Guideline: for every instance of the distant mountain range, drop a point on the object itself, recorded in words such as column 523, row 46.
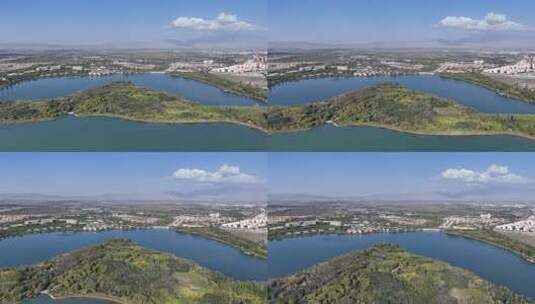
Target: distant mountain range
column 130, row 198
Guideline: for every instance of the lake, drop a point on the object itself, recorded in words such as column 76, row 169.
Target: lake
column 216, row 256
column 485, row 100
column 110, row 134
column 491, row 263
column 193, row 90
column 331, row 138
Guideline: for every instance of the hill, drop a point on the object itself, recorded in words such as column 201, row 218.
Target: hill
column 124, row 272
column 395, row 107
column 387, row 274
column 125, row 100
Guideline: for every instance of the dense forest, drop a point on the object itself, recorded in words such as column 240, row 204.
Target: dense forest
column 123, row 271
column 387, row 274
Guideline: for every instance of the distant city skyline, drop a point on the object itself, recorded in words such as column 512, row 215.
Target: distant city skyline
column 223, row 177
column 404, row 176
column 134, row 24
column 403, row 24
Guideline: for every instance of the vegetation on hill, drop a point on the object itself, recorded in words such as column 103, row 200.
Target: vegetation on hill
column 500, row 87
column 234, row 87
column 395, row 107
column 125, row 100
column 525, row 250
column 248, row 247
column 387, row 274
column 386, row 105
column 126, row 273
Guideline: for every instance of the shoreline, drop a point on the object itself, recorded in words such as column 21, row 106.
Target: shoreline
column 280, row 132
column 408, row 132
column 126, row 118
column 521, row 255
column 209, row 237
column 90, row 296
column 495, row 90
column 430, row 230
column 220, row 87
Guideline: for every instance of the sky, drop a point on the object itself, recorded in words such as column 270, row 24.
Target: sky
column 135, row 23
column 249, row 177
column 405, row 176
column 222, row 177
column 410, row 23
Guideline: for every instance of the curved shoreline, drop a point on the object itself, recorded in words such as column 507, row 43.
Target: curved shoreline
column 281, row 132
column 429, row 230
column 523, row 256
column 89, row 296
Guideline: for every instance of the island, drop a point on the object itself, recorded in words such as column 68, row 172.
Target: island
column 387, row 274
column 249, row 247
column 123, row 272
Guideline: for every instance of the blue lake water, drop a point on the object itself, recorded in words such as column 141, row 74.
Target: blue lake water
column 489, row 262
column 193, row 90
column 485, row 100
column 110, row 134
column 329, row 138
column 33, row 248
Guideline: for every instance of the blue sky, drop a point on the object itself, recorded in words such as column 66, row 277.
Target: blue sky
column 129, row 23
column 144, row 175
column 417, row 22
column 228, row 177
column 405, row 175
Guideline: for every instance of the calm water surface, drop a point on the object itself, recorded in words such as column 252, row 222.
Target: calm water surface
column 492, row 263
column 471, row 95
column 207, row 253
column 331, row 138
column 109, row 134
column 56, row 87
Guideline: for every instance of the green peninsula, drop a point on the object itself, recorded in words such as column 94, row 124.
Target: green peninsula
column 123, row 272
column 226, row 85
column 127, row 101
column 526, row 251
column 257, row 249
column 387, row 274
column 394, row 107
column 499, row 87
column 387, row 105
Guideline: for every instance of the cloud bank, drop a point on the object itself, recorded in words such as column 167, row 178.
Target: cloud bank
column 494, row 174
column 224, row 22
column 224, row 174
column 491, row 22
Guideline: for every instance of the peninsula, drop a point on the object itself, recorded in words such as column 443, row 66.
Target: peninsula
column 387, row 105
column 123, row 272
column 387, row 274
column 127, row 101
column 395, row 107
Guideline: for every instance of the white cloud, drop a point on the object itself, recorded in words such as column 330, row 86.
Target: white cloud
column 223, row 22
column 491, row 22
column 224, row 174
column 493, row 174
